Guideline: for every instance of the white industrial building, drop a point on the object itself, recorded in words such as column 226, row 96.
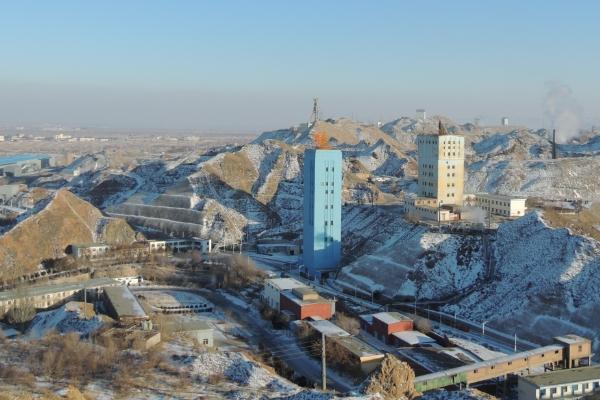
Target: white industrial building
column 574, row 383
column 497, row 204
column 273, row 287
column 90, row 250
column 441, row 162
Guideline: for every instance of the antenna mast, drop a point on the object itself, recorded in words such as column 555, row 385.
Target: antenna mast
column 314, row 116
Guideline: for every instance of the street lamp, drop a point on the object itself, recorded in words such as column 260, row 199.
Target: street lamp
column 483, row 327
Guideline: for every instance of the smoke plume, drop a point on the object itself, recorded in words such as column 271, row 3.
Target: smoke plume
column 563, row 111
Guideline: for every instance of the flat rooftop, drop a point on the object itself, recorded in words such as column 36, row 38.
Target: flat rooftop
column 328, row 328
column 88, row 245
column 499, row 196
column 565, row 376
column 571, row 339
column 285, row 283
column 358, row 347
column 391, row 317
column 488, row 363
column 7, row 160
column 413, row 337
column 29, row 291
column 291, row 296
column 124, row 302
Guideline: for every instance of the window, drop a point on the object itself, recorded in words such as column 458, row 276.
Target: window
column 564, row 389
column 579, row 348
column 574, row 387
column 204, row 341
column 542, row 392
column 553, row 390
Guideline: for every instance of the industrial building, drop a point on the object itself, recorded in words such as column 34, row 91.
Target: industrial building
column 570, row 351
column 201, row 331
column 497, row 204
column 412, row 338
column 45, row 296
column 322, row 211
column 122, row 305
column 303, row 302
column 358, row 351
column 23, row 164
column 441, row 159
column 569, row 383
column 383, row 325
column 90, row 250
column 272, row 289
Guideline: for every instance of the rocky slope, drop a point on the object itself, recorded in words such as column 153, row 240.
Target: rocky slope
column 65, row 220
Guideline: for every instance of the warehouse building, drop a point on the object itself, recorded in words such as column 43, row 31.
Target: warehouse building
column 272, row 289
column 303, row 302
column 497, row 204
column 569, row 383
column 45, row 296
column 90, row 250
column 383, row 325
column 122, row 305
column 199, row 330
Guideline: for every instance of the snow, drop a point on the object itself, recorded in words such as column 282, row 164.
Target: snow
column 65, row 319
column 234, row 366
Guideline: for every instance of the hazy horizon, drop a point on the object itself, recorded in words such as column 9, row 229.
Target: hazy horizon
column 248, row 67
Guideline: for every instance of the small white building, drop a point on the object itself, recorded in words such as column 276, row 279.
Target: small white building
column 572, row 383
column 504, row 121
column 157, row 245
column 204, row 245
column 497, row 204
column 90, row 250
column 273, row 287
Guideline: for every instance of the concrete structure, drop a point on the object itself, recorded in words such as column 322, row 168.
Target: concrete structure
column 304, row 302
column 122, row 305
column 569, row 383
column 504, row 121
column 45, row 296
column 384, row 324
column 322, row 211
column 272, row 289
column 201, row 331
column 90, row 250
column 569, row 351
column 441, row 159
column 497, row 204
column 421, row 114
column 412, row 338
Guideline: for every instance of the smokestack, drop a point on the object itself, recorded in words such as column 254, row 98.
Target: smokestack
column 554, row 144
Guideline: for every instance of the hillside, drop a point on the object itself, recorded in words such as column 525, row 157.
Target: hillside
column 65, row 220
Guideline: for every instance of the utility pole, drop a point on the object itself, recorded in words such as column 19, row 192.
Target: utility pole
column 323, row 362
column 483, row 328
column 84, row 303
column 515, row 342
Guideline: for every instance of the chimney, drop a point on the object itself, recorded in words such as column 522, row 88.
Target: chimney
column 554, row 144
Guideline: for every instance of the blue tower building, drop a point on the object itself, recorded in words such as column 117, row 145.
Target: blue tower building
column 322, row 210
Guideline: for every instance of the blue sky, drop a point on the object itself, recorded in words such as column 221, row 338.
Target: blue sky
column 252, row 65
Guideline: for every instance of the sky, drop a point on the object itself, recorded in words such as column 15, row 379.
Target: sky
column 248, row 66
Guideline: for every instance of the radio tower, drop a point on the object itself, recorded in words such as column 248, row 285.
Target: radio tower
column 314, row 116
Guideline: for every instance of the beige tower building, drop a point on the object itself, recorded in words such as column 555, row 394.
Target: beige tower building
column 441, row 160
